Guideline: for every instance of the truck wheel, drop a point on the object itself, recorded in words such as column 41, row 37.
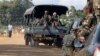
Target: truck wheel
column 36, row 43
column 32, row 42
column 26, row 40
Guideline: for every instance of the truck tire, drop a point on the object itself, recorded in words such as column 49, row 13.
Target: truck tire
column 36, row 44
column 26, row 39
column 32, row 42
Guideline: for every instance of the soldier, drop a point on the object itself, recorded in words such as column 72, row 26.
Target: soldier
column 47, row 21
column 91, row 20
column 55, row 19
column 55, row 23
column 68, row 47
column 46, row 15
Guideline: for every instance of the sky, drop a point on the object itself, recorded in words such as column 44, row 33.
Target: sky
column 78, row 4
column 6, row 0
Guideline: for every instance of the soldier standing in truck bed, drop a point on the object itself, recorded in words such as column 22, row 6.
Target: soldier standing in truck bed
column 55, row 19
column 46, row 16
column 47, row 21
column 55, row 23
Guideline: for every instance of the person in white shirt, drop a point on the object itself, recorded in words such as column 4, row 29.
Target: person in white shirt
column 10, row 28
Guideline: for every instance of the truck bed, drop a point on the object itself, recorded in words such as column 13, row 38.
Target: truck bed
column 53, row 30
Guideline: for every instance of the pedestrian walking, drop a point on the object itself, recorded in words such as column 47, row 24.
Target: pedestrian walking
column 10, row 28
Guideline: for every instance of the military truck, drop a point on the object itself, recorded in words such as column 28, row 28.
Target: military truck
column 35, row 33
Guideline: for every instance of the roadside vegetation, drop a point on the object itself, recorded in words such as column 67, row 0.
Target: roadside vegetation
column 12, row 11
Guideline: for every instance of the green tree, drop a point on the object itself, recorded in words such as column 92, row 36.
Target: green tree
column 13, row 11
column 72, row 11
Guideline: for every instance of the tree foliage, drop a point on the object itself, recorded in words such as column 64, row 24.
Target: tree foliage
column 12, row 11
column 71, row 14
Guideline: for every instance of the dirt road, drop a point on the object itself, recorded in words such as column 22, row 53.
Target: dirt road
column 15, row 47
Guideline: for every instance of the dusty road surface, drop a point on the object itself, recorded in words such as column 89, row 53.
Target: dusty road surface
column 15, row 47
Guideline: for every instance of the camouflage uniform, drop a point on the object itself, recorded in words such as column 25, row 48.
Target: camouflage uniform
column 67, row 45
column 96, row 6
